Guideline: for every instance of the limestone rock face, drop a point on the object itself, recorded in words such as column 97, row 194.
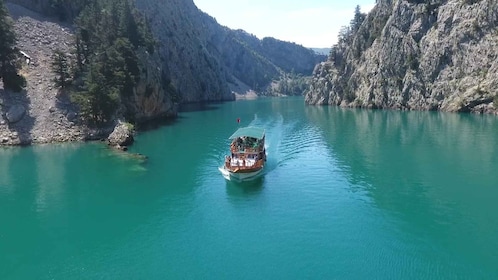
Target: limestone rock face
column 187, row 65
column 440, row 55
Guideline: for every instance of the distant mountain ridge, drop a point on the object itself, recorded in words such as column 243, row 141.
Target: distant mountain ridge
column 322, row 51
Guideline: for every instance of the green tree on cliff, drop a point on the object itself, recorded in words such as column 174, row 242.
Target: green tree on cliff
column 108, row 38
column 99, row 99
column 9, row 53
column 60, row 66
column 358, row 19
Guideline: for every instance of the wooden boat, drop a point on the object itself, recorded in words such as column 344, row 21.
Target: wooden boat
column 247, row 155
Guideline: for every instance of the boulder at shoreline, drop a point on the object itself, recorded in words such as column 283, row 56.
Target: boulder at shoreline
column 121, row 136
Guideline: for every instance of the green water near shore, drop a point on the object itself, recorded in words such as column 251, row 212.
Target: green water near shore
column 346, row 194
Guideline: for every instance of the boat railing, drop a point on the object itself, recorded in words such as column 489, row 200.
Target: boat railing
column 241, row 147
column 243, row 163
column 235, row 150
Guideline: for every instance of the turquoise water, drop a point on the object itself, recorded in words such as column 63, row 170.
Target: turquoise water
column 346, row 194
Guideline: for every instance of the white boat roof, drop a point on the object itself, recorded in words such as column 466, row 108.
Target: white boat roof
column 250, row 131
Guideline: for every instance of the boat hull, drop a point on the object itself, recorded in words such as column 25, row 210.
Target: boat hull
column 240, row 176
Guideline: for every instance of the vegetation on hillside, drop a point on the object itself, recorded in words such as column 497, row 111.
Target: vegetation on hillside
column 288, row 85
column 106, row 67
column 67, row 9
column 345, row 39
column 9, row 66
column 346, row 45
column 60, row 66
column 258, row 63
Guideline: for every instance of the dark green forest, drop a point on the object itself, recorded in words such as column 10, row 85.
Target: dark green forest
column 105, row 67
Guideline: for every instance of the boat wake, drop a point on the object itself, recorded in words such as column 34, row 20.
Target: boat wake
column 287, row 141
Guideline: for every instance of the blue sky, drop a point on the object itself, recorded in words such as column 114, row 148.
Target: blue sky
column 311, row 23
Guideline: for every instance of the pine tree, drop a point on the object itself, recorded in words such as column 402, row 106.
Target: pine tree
column 9, row 53
column 358, row 19
column 60, row 66
column 99, row 101
column 109, row 34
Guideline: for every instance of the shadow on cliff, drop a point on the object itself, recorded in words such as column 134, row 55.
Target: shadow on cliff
column 17, row 11
column 67, row 107
column 184, row 108
column 157, row 123
column 197, row 107
column 21, row 127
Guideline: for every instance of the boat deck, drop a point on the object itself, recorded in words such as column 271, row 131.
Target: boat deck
column 243, row 164
column 237, row 162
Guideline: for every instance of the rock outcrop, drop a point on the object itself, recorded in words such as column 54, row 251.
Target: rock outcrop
column 121, row 136
column 409, row 55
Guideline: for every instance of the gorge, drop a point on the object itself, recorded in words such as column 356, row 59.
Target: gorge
column 195, row 60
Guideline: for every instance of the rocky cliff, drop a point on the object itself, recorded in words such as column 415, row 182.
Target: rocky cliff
column 38, row 114
column 42, row 113
column 415, row 55
column 190, row 68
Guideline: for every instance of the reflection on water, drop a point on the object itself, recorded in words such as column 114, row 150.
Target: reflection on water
column 197, row 107
column 7, row 154
column 346, row 193
column 432, row 170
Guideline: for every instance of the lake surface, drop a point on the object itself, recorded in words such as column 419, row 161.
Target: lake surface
column 346, row 194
